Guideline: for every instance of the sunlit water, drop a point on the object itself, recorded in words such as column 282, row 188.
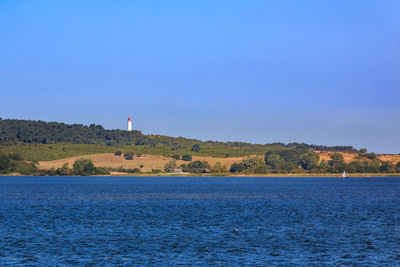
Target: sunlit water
column 199, row 221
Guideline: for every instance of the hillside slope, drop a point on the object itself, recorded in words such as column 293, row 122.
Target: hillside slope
column 54, row 144
column 57, row 140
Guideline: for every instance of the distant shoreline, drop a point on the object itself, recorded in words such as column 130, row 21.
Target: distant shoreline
column 327, row 175
column 366, row 175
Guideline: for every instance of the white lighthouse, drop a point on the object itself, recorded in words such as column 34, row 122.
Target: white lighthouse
column 129, row 124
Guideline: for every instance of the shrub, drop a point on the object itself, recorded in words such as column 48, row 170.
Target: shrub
column 237, row 167
column 219, row 168
column 4, row 162
column 134, row 170
column 387, row 167
column 198, row 166
column 101, row 171
column 84, row 167
column 184, row 167
column 176, row 157
column 170, row 166
column 118, row 153
column 250, row 165
column 129, row 155
column 187, row 157
column 195, row 148
column 336, row 157
column 65, row 170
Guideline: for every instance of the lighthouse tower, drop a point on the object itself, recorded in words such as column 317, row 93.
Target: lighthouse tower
column 129, row 124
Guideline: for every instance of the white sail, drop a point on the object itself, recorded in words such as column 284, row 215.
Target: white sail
column 344, row 174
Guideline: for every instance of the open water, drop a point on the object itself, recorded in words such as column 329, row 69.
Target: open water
column 229, row 221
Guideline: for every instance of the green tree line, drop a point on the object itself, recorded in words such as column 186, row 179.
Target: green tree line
column 302, row 160
column 14, row 132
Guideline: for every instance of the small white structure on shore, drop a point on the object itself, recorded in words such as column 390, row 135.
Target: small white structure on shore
column 177, row 171
column 129, row 124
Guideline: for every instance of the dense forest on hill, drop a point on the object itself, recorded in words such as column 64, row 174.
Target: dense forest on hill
column 13, row 132
column 24, row 131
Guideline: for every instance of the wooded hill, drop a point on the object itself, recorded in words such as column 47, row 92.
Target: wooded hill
column 13, row 132
column 35, row 141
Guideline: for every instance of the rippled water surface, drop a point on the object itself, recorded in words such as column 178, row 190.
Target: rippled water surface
column 199, row 221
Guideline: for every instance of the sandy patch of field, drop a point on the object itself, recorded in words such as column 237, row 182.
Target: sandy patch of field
column 392, row 158
column 348, row 157
column 110, row 160
column 326, row 155
column 149, row 162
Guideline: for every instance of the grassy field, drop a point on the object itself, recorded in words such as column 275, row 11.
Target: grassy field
column 47, row 152
column 40, row 152
column 55, row 155
column 148, row 162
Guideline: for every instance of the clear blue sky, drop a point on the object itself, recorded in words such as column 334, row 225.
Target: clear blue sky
column 323, row 72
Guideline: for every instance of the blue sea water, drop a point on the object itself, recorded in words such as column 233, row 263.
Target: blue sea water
column 164, row 221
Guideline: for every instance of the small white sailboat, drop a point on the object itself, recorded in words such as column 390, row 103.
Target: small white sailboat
column 344, row 175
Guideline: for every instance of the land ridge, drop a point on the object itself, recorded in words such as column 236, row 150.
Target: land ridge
column 52, row 148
